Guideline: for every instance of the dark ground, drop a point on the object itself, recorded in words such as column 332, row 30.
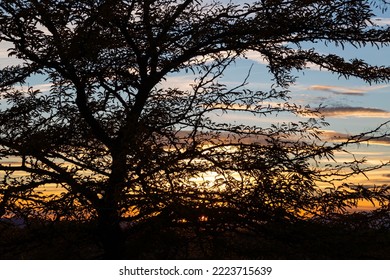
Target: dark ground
column 304, row 240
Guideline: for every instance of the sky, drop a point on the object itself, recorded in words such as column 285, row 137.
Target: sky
column 351, row 105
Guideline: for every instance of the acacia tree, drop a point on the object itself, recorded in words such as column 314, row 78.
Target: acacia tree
column 118, row 145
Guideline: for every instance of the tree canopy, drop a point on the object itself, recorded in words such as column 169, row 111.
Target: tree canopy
column 117, row 144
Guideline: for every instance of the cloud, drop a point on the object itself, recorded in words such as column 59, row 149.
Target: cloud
column 4, row 49
column 5, row 59
column 385, row 141
column 3, row 54
column 341, row 137
column 381, row 21
column 257, row 57
column 338, row 90
column 43, row 87
column 358, row 112
column 182, row 82
column 261, row 59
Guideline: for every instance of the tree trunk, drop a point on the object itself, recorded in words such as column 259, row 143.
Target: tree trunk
column 110, row 233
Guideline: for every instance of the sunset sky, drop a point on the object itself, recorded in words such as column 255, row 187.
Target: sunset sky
column 351, row 106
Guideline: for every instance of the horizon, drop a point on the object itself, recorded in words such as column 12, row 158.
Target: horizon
column 350, row 106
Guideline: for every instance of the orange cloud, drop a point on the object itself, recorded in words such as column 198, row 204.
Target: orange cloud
column 341, row 137
column 338, row 90
column 358, row 112
column 356, row 91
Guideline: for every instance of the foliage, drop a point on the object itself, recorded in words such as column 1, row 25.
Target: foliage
column 117, row 145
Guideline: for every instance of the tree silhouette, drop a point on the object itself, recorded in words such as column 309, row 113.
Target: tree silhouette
column 117, row 145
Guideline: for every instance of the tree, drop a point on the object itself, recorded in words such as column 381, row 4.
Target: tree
column 117, row 145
